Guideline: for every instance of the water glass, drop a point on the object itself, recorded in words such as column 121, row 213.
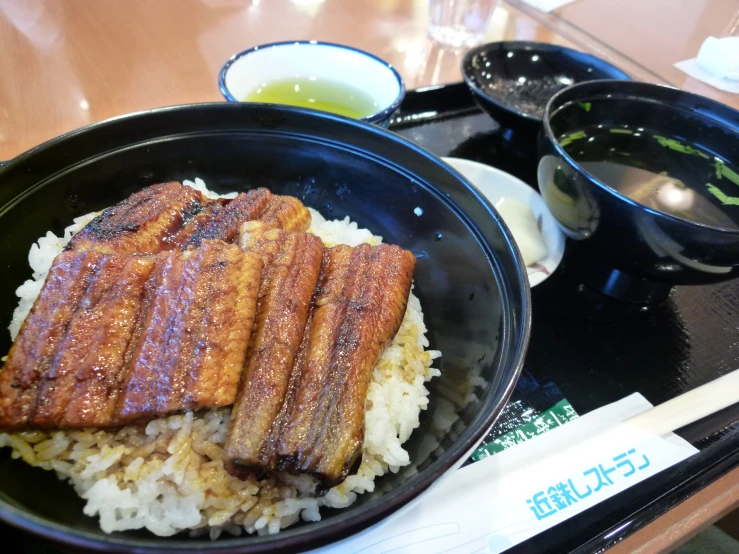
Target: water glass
column 460, row 23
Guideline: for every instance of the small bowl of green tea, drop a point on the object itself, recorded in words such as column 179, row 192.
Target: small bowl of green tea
column 647, row 177
column 316, row 75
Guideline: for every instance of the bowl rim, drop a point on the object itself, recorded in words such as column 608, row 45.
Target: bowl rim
column 527, row 45
column 344, row 523
column 373, row 118
column 634, row 91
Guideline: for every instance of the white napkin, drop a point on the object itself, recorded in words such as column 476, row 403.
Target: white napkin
column 547, row 6
column 717, row 64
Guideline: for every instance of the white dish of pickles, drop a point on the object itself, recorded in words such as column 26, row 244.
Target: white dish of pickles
column 537, row 235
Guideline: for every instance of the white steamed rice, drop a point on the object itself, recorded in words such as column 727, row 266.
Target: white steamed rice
column 168, row 476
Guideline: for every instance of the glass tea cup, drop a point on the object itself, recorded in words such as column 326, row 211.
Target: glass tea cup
column 460, row 23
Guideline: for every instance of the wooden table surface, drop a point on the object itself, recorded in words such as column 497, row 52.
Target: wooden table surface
column 67, row 63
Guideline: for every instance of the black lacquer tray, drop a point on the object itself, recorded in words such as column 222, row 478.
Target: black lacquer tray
column 595, row 350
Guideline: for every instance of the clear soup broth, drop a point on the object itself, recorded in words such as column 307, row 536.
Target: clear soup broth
column 666, row 174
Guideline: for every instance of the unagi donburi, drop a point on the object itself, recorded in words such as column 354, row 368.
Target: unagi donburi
column 197, row 363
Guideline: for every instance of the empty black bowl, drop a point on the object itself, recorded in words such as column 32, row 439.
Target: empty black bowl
column 634, row 251
column 514, row 80
column 469, row 278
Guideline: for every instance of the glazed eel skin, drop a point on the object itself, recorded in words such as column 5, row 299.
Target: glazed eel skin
column 171, row 216
column 144, row 223
column 115, row 338
column 358, row 307
column 152, row 310
column 147, row 311
column 292, row 264
column 190, row 345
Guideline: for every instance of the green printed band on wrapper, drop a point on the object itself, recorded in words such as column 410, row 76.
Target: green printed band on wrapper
column 557, row 415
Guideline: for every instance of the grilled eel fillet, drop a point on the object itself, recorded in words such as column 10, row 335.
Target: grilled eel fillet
column 273, row 211
column 82, row 383
column 191, row 345
column 178, row 240
column 168, row 216
column 359, row 306
column 292, row 263
column 143, row 223
column 114, row 338
column 35, row 348
column 286, row 212
column 224, row 224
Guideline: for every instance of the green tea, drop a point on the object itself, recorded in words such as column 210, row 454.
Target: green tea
column 310, row 92
column 663, row 173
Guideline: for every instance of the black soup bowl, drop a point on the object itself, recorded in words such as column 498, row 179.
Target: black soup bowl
column 470, row 278
column 670, row 154
column 513, row 80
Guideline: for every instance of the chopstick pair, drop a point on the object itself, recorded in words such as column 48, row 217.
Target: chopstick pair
column 691, row 406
